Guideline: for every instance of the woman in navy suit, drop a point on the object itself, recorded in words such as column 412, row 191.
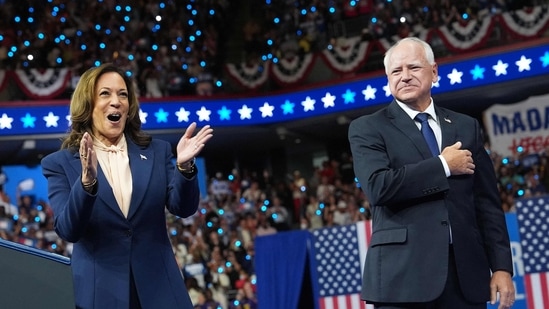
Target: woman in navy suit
column 109, row 186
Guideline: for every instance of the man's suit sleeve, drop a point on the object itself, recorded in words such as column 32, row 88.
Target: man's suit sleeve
column 490, row 215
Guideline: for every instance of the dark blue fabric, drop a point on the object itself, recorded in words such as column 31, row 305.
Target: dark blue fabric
column 280, row 264
column 428, row 133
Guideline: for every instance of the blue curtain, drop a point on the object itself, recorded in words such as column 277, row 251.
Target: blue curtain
column 281, row 260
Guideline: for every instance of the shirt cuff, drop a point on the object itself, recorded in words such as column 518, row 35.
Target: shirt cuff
column 445, row 165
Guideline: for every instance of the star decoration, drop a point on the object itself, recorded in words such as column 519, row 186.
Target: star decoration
column 5, row 121
column 349, row 96
column 369, row 93
column 544, row 59
column 143, row 116
column 28, row 121
column 161, row 116
column 308, row 104
column 477, row 72
column 455, row 77
column 245, row 112
column 51, row 120
column 328, row 100
column 287, row 107
column 523, row 64
column 266, row 110
column 500, row 68
column 203, row 114
column 224, row 113
column 69, row 120
column 182, row 115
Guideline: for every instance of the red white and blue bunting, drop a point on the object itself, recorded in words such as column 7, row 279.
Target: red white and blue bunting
column 251, row 76
column 463, row 37
column 347, row 56
column 42, row 84
column 350, row 54
column 504, row 65
column 292, row 70
column 417, row 31
column 526, row 23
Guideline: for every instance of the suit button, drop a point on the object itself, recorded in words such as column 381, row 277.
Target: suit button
column 444, row 223
column 128, row 233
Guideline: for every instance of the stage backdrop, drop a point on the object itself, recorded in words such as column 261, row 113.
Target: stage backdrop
column 326, row 265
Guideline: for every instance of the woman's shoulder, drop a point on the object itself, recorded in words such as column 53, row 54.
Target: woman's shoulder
column 57, row 157
column 157, row 144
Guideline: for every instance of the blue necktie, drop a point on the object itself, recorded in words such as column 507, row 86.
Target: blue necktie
column 428, row 133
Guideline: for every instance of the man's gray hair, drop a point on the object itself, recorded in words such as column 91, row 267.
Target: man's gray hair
column 429, row 55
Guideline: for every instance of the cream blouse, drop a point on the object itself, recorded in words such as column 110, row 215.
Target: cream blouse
column 115, row 163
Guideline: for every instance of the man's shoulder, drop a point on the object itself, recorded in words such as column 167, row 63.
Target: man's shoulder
column 380, row 114
column 445, row 112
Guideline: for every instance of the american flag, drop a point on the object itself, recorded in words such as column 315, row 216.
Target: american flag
column 339, row 253
column 533, row 222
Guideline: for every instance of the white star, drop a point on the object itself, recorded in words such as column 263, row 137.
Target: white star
column 387, row 90
column 523, row 64
column 143, row 116
column 51, row 120
column 5, row 122
column 266, row 110
column 203, row 114
column 455, row 77
column 69, row 120
column 182, row 115
column 369, row 93
column 308, row 104
column 245, row 112
column 500, row 68
column 437, row 83
column 328, row 100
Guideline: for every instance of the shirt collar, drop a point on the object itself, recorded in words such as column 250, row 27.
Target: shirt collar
column 412, row 113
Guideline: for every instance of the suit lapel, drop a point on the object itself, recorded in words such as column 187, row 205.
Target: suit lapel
column 407, row 126
column 447, row 127
column 141, row 165
column 104, row 192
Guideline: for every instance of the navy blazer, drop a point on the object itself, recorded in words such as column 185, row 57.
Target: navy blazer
column 414, row 207
column 107, row 245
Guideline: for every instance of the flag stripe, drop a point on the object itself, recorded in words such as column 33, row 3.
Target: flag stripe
column 322, row 302
column 544, row 289
column 348, row 300
column 537, row 293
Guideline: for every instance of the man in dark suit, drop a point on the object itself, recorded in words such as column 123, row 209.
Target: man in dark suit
column 439, row 234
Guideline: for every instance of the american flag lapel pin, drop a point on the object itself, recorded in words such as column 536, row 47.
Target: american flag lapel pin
column 143, row 157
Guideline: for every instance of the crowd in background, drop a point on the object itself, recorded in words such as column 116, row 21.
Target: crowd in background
column 215, row 247
column 179, row 47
